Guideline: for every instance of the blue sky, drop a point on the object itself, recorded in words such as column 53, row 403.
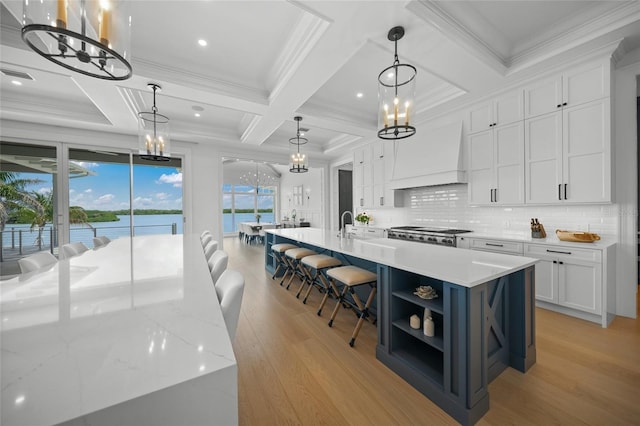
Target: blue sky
column 153, row 187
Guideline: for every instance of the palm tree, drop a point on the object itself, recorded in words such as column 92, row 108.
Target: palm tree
column 14, row 197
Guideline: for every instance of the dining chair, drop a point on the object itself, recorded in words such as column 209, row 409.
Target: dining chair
column 230, row 289
column 206, row 239
column 36, row 261
column 211, row 247
column 100, row 241
column 73, row 249
column 217, row 264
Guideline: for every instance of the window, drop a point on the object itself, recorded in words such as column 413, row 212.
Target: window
column 241, row 203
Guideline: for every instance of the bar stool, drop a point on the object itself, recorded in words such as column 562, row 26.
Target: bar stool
column 278, row 253
column 293, row 258
column 353, row 276
column 314, row 268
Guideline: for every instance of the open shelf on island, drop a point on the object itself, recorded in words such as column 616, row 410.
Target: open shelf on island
column 434, row 304
column 428, row 365
column 436, row 341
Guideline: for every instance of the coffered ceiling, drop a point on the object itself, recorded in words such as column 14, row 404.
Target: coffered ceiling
column 267, row 61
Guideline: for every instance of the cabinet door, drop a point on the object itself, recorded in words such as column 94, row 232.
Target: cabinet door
column 509, row 163
column 586, row 152
column 367, row 196
column 378, row 196
column 547, row 281
column 358, row 197
column 508, row 108
column 481, row 167
column 587, row 83
column 580, row 286
column 480, row 117
column 543, row 97
column 543, row 158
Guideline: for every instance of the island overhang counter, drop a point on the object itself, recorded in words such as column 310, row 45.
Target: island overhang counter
column 484, row 314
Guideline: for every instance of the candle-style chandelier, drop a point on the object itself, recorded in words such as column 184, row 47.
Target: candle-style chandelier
column 298, row 161
column 154, row 141
column 87, row 36
column 396, row 93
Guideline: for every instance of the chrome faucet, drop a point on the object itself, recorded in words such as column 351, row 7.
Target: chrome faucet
column 343, row 229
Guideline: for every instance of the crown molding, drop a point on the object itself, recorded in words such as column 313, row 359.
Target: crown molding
column 51, row 109
column 199, row 81
column 435, row 16
column 624, row 14
column 301, row 42
column 340, row 142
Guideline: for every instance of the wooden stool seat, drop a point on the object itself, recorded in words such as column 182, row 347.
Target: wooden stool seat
column 312, row 267
column 293, row 257
column 278, row 251
column 352, row 276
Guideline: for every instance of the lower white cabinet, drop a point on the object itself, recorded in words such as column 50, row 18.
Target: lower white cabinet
column 572, row 280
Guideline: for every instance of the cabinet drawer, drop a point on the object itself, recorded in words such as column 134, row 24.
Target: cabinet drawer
column 498, row 246
column 566, row 253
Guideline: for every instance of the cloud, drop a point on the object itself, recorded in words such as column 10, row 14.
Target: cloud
column 162, row 196
column 44, row 191
column 72, row 191
column 85, row 164
column 174, row 178
column 142, row 202
column 104, row 199
column 88, row 190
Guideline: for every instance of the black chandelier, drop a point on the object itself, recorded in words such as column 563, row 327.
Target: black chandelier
column 153, row 132
column 396, row 92
column 299, row 162
column 87, row 36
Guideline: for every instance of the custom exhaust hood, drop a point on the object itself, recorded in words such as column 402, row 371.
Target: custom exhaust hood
column 432, row 157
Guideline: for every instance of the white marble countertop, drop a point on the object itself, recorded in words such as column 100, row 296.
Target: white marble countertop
column 131, row 318
column 459, row 266
column 525, row 237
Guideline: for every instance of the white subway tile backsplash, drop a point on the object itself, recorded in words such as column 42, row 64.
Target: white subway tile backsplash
column 447, row 205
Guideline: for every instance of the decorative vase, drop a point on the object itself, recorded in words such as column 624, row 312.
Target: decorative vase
column 429, row 327
column 414, row 322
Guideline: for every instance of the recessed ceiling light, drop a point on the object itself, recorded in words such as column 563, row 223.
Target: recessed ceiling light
column 197, row 114
column 359, row 94
column 16, row 82
column 202, row 42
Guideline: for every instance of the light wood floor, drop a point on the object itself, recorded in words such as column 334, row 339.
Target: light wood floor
column 294, row 369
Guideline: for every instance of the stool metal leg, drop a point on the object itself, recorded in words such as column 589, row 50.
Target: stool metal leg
column 363, row 314
column 331, row 287
column 307, row 277
column 338, row 304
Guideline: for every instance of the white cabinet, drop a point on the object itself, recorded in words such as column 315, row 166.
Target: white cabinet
column 568, row 277
column 571, row 88
column 496, row 166
column 504, row 109
column 373, row 170
column 362, row 177
column 496, row 246
column 568, row 155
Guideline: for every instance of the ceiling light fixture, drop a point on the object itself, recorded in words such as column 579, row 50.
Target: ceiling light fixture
column 298, row 161
column 153, row 132
column 87, row 36
column 396, row 92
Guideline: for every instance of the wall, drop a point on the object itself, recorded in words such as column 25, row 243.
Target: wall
column 312, row 208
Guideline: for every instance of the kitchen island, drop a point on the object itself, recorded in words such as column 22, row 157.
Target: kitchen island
column 129, row 333
column 484, row 314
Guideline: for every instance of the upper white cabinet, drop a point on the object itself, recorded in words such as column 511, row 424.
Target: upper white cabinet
column 496, row 166
column 504, row 109
column 571, row 88
column 373, row 170
column 568, row 155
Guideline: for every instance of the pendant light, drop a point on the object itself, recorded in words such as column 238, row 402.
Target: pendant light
column 396, row 93
column 153, row 132
column 87, row 36
column 299, row 162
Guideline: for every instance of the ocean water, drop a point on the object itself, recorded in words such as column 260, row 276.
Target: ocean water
column 143, row 225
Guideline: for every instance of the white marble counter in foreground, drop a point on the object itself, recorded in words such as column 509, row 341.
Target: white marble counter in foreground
column 467, row 268
column 131, row 333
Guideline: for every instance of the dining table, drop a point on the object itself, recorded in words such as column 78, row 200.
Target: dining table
column 128, row 333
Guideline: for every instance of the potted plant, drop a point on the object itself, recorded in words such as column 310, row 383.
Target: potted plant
column 363, row 218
